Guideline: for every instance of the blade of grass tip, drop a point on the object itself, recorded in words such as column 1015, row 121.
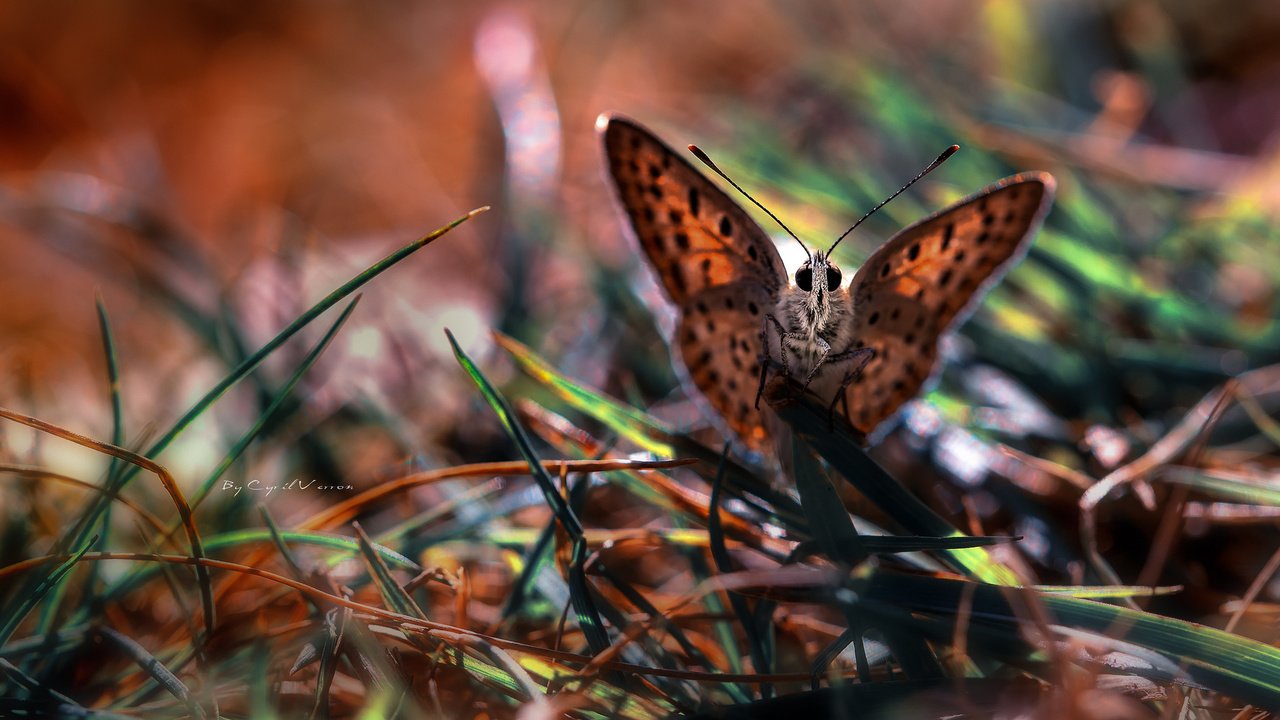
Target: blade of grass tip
column 171, row 487
column 153, row 667
column 635, row 425
column 333, row 298
column 245, row 368
column 579, row 590
column 829, row 522
column 335, row 622
column 113, row 385
column 724, row 565
column 507, row 417
column 391, row 590
column 113, row 376
column 234, row 348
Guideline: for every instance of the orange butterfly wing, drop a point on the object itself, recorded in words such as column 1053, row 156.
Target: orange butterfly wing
column 926, row 277
column 715, row 263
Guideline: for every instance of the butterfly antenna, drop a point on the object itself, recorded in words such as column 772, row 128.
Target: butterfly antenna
column 932, row 166
column 697, row 152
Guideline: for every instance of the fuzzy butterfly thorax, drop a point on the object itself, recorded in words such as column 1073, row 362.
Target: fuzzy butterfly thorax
column 816, row 308
column 866, row 347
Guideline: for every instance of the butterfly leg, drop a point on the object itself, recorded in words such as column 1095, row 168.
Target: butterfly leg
column 767, row 357
column 825, row 348
column 859, row 357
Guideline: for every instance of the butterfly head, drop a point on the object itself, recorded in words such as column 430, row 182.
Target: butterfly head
column 818, row 277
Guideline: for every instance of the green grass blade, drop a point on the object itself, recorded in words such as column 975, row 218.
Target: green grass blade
column 154, row 668
column 844, row 452
column 632, row 424
column 579, row 590
column 277, row 401
column 75, row 536
column 1230, row 664
column 655, row 437
column 829, row 522
column 758, row 646
column 397, row 599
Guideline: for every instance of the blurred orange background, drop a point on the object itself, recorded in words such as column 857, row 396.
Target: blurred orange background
column 256, row 155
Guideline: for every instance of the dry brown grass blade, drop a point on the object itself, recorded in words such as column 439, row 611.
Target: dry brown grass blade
column 348, row 509
column 1068, row 475
column 42, row 474
column 1165, row 450
column 405, row 623
column 1255, row 588
column 170, row 486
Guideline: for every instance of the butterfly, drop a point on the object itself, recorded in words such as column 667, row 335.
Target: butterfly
column 868, row 346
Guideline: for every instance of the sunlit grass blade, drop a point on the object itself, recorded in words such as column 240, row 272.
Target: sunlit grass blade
column 894, row 544
column 632, row 424
column 1223, row 486
column 654, row 436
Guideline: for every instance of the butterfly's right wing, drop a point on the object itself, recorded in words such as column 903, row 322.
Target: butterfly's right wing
column 927, row 277
column 715, row 263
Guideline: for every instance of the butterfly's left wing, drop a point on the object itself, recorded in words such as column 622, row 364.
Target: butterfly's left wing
column 715, row 263
column 926, row 277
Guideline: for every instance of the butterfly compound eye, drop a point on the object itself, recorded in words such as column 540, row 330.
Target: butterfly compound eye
column 833, row 277
column 804, row 278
